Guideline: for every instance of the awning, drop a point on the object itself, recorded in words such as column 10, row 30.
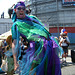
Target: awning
column 5, row 35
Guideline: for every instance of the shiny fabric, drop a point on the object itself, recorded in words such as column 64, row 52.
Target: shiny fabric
column 42, row 55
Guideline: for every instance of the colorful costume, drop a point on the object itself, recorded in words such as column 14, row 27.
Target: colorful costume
column 42, row 55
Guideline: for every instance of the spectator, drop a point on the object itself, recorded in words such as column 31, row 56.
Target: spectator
column 10, row 11
column 64, row 43
column 2, row 15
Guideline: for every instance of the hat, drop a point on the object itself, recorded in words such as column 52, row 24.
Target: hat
column 65, row 32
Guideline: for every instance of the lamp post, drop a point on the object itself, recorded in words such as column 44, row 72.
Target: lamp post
column 48, row 21
column 36, row 8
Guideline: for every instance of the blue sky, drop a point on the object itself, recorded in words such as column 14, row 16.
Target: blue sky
column 5, row 5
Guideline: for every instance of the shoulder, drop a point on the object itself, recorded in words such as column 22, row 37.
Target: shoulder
column 32, row 17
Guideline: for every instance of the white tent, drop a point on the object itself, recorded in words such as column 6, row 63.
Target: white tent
column 5, row 35
column 1, row 43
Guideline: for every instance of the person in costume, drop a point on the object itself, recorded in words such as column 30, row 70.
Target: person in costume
column 35, row 50
column 64, row 43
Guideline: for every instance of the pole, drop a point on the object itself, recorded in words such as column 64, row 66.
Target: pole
column 57, row 16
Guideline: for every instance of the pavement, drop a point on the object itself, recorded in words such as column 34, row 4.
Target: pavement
column 67, row 68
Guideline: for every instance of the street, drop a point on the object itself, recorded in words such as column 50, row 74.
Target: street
column 69, row 67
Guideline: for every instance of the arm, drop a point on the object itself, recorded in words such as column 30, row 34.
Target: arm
column 14, row 55
column 67, row 40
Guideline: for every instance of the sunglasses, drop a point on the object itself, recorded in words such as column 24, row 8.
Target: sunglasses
column 19, row 8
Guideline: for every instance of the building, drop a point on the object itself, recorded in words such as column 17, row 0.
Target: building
column 57, row 14
column 5, row 25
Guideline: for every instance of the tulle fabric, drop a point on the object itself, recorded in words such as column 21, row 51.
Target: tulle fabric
column 42, row 55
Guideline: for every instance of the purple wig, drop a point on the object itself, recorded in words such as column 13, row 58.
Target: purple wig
column 19, row 4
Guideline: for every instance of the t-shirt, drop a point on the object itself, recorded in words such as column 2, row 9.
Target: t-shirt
column 63, row 43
